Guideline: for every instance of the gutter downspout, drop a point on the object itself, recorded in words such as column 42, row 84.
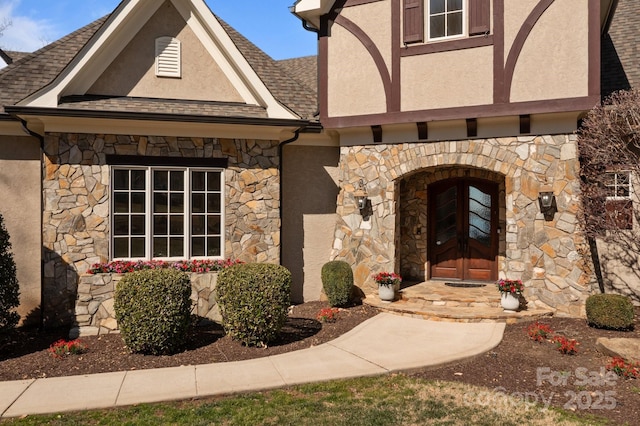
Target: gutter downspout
column 40, row 138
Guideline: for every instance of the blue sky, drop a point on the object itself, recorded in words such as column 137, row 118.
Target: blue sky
column 267, row 23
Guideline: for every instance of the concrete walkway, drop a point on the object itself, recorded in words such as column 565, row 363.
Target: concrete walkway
column 383, row 344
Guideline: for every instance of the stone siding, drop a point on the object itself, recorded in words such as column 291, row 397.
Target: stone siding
column 94, row 313
column 545, row 254
column 77, row 199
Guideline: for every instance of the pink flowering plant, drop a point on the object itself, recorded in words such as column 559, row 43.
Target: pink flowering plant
column 63, row 348
column 198, row 266
column 328, row 315
column 387, row 278
column 628, row 370
column 510, row 286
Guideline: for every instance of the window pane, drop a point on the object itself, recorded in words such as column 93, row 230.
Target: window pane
column 137, row 202
column 177, row 247
column 137, row 247
column 176, row 225
column 213, row 181
column 137, row 225
column 436, row 6
column 120, row 247
column 197, row 203
column 197, row 246
column 213, row 203
column 160, row 181
column 453, row 5
column 138, row 180
column 121, row 225
column 121, row 202
column 436, row 28
column 160, row 203
column 160, row 247
column 160, row 225
column 177, row 181
column 454, row 24
column 213, row 225
column 197, row 225
column 120, row 180
column 177, row 203
column 213, row 248
column 197, row 181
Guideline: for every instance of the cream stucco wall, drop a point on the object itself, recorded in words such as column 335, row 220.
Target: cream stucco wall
column 354, row 83
column 548, row 69
column 310, row 190
column 515, row 13
column 132, row 73
column 20, row 197
column 467, row 81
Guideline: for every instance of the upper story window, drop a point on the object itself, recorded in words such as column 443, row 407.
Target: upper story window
column 443, row 19
column 168, row 57
column 446, row 18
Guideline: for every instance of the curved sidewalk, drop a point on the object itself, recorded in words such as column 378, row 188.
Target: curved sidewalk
column 383, row 344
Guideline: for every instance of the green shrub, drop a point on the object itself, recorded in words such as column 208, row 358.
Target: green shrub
column 337, row 282
column 9, row 288
column 153, row 310
column 610, row 311
column 254, row 300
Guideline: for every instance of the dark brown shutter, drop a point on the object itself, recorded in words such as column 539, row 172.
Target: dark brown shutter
column 479, row 16
column 413, row 21
column 620, row 213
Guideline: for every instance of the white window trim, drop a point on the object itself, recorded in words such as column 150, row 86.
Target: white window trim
column 465, row 23
column 168, row 57
column 149, row 213
column 615, row 185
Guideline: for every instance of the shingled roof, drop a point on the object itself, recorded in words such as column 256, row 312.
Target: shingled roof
column 621, row 49
column 34, row 71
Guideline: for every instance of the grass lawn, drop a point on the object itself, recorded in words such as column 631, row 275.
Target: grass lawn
column 387, row 400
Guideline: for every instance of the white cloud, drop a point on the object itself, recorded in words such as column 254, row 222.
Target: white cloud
column 24, row 34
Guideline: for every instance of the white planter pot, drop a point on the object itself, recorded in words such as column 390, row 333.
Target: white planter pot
column 509, row 302
column 386, row 292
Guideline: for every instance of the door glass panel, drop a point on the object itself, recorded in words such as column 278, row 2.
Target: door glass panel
column 480, row 216
column 446, row 223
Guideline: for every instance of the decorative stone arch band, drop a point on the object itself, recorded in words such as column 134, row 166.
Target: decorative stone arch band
column 545, row 254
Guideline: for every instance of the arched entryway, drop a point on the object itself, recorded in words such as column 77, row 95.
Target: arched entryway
column 451, row 222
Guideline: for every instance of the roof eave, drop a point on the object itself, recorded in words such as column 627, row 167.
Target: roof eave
column 310, row 11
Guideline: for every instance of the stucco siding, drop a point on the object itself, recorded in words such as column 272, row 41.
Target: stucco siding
column 132, row 73
column 549, row 69
column 467, row 81
column 20, row 197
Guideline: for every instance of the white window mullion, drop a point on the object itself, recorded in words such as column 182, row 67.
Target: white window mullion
column 149, row 200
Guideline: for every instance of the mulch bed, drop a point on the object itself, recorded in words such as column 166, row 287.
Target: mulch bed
column 519, row 366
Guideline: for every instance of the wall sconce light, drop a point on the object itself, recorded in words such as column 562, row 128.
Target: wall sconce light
column 361, row 196
column 547, row 202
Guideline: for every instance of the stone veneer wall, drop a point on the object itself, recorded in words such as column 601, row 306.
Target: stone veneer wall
column 94, row 313
column 76, row 203
column 546, row 255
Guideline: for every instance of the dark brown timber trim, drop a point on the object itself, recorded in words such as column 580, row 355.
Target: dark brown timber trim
column 498, row 52
column 472, row 127
column 525, row 124
column 423, row 130
column 377, row 133
column 446, row 46
column 323, row 69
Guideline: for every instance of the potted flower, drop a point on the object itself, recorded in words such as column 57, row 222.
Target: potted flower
column 510, row 291
column 387, row 283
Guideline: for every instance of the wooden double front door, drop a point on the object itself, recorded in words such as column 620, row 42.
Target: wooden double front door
column 463, row 239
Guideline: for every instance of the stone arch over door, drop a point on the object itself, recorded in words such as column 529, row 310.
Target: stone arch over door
column 413, row 209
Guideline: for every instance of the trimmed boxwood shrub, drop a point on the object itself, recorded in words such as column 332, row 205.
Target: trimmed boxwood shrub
column 254, row 299
column 153, row 310
column 9, row 288
column 611, row 311
column 337, row 282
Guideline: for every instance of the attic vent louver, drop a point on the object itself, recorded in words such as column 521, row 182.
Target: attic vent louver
column 168, row 57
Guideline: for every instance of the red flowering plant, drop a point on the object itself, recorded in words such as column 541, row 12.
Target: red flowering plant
column 328, row 315
column 63, row 348
column 566, row 346
column 198, row 266
column 514, row 287
column 628, row 370
column 387, row 278
column 539, row 332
